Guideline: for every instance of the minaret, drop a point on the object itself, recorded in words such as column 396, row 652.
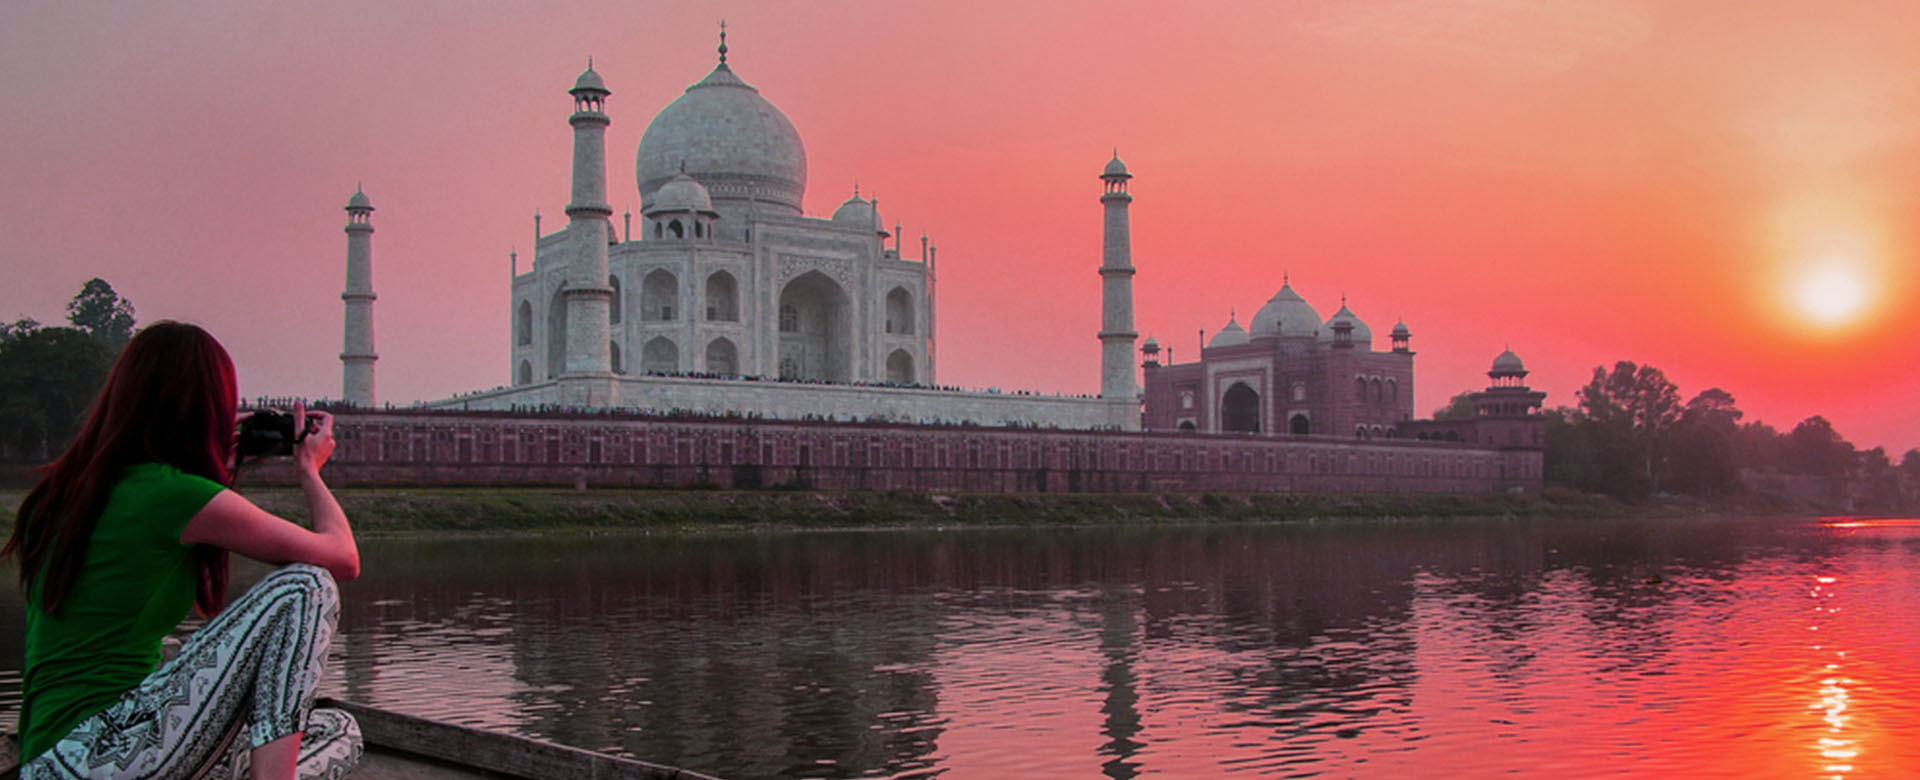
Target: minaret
column 589, row 220
column 356, row 355
column 1116, row 281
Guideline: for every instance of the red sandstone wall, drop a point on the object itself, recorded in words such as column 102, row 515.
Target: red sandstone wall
column 501, row 449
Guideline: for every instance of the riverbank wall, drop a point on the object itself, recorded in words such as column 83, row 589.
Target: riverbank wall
column 425, row 447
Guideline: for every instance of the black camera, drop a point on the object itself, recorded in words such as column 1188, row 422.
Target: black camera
column 270, row 432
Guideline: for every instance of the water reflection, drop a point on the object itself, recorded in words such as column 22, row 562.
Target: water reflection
column 1654, row 647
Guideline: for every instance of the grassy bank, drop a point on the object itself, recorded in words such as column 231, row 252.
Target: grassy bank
column 396, row 511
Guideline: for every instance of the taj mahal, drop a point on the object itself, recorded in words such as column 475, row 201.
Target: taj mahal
column 724, row 298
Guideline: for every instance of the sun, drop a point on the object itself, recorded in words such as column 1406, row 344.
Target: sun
column 1830, row 292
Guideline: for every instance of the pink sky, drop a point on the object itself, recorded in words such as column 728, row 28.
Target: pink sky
column 1585, row 180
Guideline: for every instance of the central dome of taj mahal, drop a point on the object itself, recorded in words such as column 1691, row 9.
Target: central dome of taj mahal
column 730, row 139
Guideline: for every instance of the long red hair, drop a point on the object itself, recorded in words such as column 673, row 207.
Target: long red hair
column 170, row 398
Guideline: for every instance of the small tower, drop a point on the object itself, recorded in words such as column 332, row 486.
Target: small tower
column 1402, row 338
column 1116, row 282
column 590, row 221
column 357, row 355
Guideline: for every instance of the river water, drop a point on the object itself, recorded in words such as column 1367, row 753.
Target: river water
column 1693, row 647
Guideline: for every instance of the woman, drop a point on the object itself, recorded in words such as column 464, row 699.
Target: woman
column 128, row 529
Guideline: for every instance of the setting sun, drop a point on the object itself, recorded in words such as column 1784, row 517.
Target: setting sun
column 1830, row 293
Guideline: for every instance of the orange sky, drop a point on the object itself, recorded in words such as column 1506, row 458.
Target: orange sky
column 1586, row 180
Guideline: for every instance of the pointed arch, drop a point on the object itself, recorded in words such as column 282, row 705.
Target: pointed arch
column 723, row 358
column 1240, row 409
column 900, row 368
column 723, row 297
column 659, row 291
column 613, row 355
column 614, row 304
column 819, row 343
column 660, row 356
column 523, row 324
column 525, row 375
column 1300, row 425
column 900, row 311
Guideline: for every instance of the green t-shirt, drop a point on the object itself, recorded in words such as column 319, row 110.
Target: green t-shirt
column 137, row 585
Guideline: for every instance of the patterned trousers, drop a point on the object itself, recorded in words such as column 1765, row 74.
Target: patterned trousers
column 251, row 671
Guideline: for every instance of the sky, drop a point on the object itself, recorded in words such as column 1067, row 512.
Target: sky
column 1721, row 188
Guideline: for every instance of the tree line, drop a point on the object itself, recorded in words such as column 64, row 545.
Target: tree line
column 1629, row 436
column 48, row 374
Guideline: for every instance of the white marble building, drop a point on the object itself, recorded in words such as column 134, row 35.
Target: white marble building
column 721, row 273
column 722, row 295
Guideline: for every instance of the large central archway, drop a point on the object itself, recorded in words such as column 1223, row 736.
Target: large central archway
column 1240, row 409
column 816, row 330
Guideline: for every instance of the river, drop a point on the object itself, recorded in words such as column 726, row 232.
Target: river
column 1674, row 647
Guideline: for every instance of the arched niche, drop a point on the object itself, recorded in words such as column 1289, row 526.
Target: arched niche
column 523, row 324
column 1300, row 425
column 723, row 297
column 819, row 344
column 1240, row 409
column 659, row 292
column 660, row 355
column 900, row 367
column 613, row 354
column 524, row 375
column 723, row 358
column 616, row 304
column 900, row 311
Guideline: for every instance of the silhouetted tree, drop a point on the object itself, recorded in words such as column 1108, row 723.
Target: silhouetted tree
column 1460, row 407
column 47, row 378
column 1816, row 448
column 1636, row 400
column 1702, row 459
column 17, row 328
column 102, row 313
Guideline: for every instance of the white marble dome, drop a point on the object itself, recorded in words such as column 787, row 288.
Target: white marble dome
column 589, row 80
column 680, row 193
column 1116, row 168
column 734, row 141
column 1508, row 363
column 857, row 212
column 1230, row 336
column 359, row 201
column 1362, row 335
column 1286, row 314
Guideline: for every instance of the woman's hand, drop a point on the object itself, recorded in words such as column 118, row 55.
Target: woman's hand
column 312, row 452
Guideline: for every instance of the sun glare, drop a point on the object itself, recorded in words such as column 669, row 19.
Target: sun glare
column 1830, row 293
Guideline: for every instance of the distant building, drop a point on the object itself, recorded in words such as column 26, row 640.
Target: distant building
column 1290, row 373
column 1505, row 415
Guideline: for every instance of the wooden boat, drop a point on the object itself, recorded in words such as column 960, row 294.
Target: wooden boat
column 403, row 747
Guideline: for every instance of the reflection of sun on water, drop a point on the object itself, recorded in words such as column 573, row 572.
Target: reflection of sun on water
column 1836, row 750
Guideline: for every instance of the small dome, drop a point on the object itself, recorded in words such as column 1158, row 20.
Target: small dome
column 681, row 193
column 359, row 201
column 1230, row 336
column 857, row 212
column 1286, row 314
column 1508, row 363
column 1152, row 345
column 1362, row 334
column 1400, row 330
column 1115, row 168
column 589, row 80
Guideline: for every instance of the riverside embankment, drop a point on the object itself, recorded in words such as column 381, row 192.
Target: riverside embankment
column 407, row 511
